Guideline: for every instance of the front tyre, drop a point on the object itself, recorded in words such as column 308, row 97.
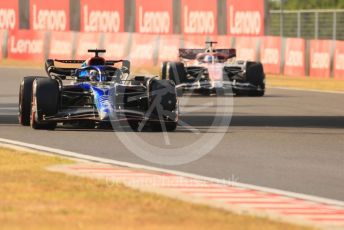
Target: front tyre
column 159, row 126
column 174, row 71
column 164, row 105
column 45, row 100
column 255, row 76
column 25, row 100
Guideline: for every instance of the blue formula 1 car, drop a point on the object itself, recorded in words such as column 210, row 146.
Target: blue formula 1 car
column 97, row 93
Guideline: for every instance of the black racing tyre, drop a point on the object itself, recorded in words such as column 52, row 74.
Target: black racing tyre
column 25, row 99
column 134, row 125
column 255, row 75
column 205, row 92
column 164, row 70
column 175, row 72
column 163, row 101
column 180, row 92
column 88, row 124
column 45, row 100
column 220, row 92
column 158, row 126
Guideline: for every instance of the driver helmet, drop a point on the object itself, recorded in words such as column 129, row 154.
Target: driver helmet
column 208, row 59
column 94, row 75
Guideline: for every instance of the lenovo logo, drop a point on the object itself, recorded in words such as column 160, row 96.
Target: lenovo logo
column 339, row 61
column 7, row 19
column 60, row 47
column 295, row 59
column 198, row 22
column 84, row 46
column 168, row 52
column 154, row 21
column 116, row 50
column 49, row 19
column 320, row 60
column 26, row 46
column 100, row 20
column 142, row 52
column 270, row 56
column 245, row 22
column 246, row 54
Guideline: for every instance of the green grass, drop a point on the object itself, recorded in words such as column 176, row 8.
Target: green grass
column 34, row 198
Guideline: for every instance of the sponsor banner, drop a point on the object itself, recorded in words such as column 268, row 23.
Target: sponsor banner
column 246, row 48
column 143, row 47
column 154, row 16
column 86, row 41
column 270, row 51
column 168, row 47
column 116, row 45
column 294, row 58
column 223, row 41
column 26, row 45
column 339, row 60
column 2, row 43
column 320, row 58
column 198, row 17
column 49, row 15
column 61, row 45
column 245, row 17
column 194, row 41
column 9, row 15
column 102, row 16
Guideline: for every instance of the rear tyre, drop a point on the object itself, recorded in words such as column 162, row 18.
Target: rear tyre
column 164, row 70
column 25, row 99
column 45, row 100
column 255, row 75
column 163, row 101
column 158, row 126
column 174, row 71
column 134, row 125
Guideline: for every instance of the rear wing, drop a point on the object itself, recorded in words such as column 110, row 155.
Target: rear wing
column 108, row 62
column 66, row 71
column 192, row 53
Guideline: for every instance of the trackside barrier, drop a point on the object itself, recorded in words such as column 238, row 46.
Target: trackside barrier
column 288, row 56
column 26, row 45
column 143, row 51
column 2, row 43
column 247, row 48
column 198, row 17
column 61, row 45
column 245, row 17
column 117, row 45
column 85, row 41
column 294, row 59
column 339, row 60
column 104, row 16
column 270, row 54
column 154, row 17
column 320, row 58
column 9, row 15
column 168, row 47
column 49, row 15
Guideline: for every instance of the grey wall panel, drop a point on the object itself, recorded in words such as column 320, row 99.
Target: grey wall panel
column 307, row 57
column 75, row 15
column 24, row 14
column 177, row 16
column 222, row 17
column 129, row 15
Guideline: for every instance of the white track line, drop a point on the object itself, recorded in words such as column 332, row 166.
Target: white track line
column 178, row 173
column 8, row 108
column 307, row 90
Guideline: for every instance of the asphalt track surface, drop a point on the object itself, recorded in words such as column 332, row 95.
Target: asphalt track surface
column 290, row 140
